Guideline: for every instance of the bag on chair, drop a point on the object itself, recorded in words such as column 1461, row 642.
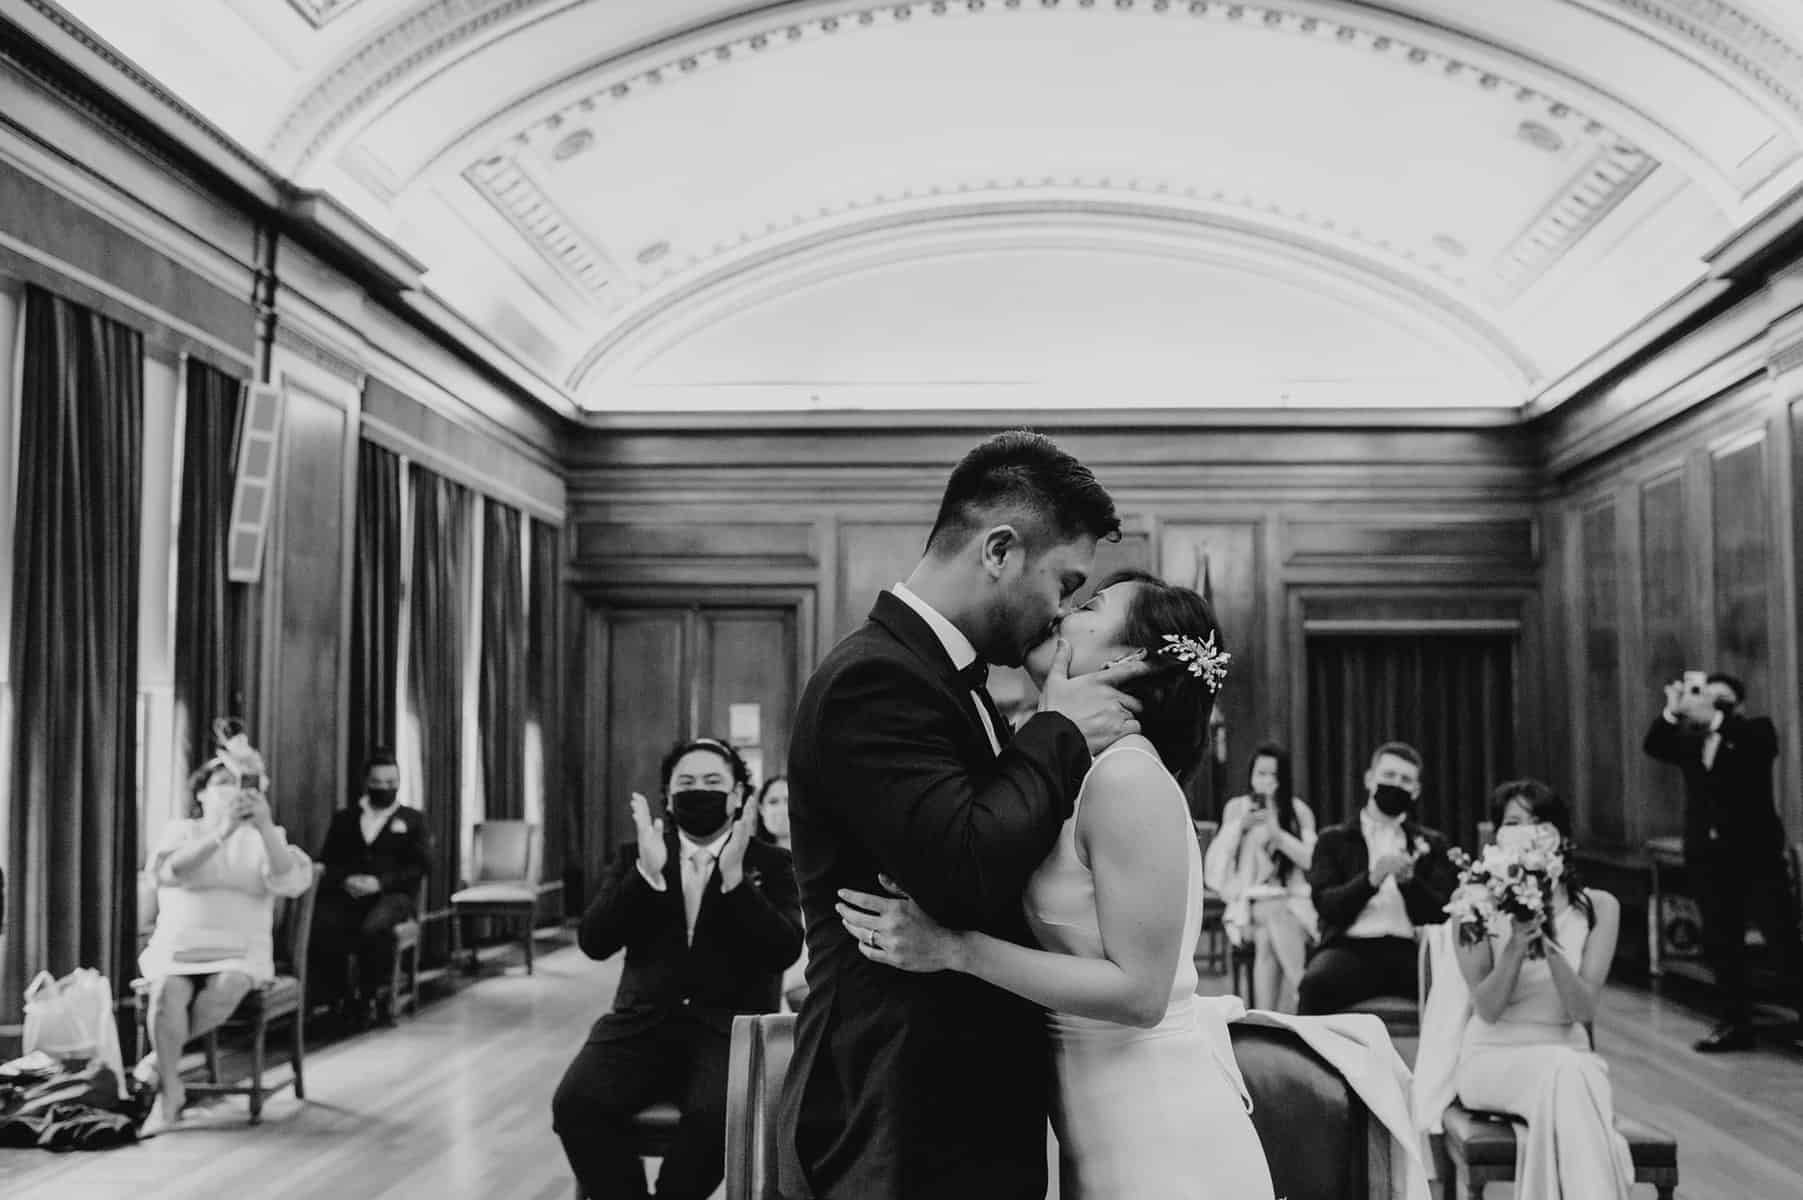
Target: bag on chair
column 72, row 1017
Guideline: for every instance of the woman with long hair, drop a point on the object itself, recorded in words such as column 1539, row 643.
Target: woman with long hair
column 1258, row 864
column 1150, row 1103
column 1534, row 988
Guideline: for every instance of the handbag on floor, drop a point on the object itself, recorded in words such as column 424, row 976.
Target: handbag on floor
column 72, row 1018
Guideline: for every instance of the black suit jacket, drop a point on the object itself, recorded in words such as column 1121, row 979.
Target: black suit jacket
column 912, row 1085
column 398, row 857
column 1339, row 878
column 744, row 939
column 1728, row 809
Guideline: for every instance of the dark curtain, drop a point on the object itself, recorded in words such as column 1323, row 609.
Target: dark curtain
column 543, row 693
column 501, row 698
column 213, row 625
column 73, row 850
column 441, row 513
column 375, row 608
column 1450, row 696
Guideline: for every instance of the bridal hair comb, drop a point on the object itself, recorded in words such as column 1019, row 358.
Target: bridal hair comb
column 1203, row 659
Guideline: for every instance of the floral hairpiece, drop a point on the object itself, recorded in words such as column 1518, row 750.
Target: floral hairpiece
column 1204, row 659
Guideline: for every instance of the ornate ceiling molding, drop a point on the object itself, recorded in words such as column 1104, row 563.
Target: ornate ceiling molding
column 718, row 45
column 399, row 52
column 520, row 199
column 822, row 253
column 1603, row 183
column 1732, row 38
column 320, row 13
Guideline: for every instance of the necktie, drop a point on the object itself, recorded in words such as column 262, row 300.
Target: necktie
column 976, row 678
column 696, row 870
column 1711, row 744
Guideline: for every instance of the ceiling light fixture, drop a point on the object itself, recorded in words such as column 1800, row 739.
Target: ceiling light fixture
column 1540, row 137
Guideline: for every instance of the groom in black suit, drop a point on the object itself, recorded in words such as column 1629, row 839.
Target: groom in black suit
column 1733, row 840
column 903, row 1086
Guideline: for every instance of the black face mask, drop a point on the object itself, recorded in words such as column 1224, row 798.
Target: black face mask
column 1392, row 801
column 381, row 797
column 698, row 812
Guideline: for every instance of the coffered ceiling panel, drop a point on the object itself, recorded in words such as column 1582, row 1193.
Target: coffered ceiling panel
column 691, row 203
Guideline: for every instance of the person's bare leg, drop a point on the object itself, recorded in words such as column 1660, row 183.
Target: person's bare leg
column 169, row 1001
column 1267, row 972
column 217, row 1001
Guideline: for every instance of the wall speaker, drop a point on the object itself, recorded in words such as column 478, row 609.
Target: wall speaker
column 253, row 491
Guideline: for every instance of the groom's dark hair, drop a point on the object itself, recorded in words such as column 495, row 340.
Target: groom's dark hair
column 1023, row 476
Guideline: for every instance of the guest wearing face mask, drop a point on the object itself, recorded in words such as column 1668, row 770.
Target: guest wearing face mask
column 1373, row 879
column 217, row 876
column 709, row 917
column 375, row 855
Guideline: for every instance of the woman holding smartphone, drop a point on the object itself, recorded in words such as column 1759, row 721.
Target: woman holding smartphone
column 1258, row 864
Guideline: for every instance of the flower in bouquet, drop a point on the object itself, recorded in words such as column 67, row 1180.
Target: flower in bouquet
column 1512, row 880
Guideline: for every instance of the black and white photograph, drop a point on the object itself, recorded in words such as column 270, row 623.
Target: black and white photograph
column 922, row 600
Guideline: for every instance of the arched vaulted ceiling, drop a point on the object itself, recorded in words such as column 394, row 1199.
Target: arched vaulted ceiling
column 698, row 204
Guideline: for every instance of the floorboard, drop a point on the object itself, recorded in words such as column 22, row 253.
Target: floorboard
column 453, row 1104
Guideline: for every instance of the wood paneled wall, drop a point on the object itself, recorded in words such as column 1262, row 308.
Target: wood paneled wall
column 1672, row 526
column 1317, row 519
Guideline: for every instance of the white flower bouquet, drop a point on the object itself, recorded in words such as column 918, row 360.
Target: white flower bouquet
column 1512, row 880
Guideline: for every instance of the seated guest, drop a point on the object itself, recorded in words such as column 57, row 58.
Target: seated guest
column 217, row 876
column 1373, row 880
column 1258, row 864
column 374, row 857
column 1533, row 986
column 709, row 917
column 773, row 827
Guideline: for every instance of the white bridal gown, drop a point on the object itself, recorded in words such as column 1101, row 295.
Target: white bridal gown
column 1142, row 1114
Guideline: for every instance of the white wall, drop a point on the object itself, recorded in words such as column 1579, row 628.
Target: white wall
column 12, row 313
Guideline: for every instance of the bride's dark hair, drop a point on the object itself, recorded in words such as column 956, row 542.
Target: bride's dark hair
column 1175, row 704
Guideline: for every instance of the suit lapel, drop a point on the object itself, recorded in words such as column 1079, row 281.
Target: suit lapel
column 907, row 627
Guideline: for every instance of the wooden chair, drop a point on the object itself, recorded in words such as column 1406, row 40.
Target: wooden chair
column 406, row 946
column 503, row 882
column 1478, row 1148
column 756, row 1064
column 283, row 998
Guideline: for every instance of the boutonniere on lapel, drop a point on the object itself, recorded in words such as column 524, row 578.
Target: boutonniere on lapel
column 398, row 823
column 1419, row 849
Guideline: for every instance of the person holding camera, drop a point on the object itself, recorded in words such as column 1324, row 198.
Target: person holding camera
column 217, row 876
column 1733, row 839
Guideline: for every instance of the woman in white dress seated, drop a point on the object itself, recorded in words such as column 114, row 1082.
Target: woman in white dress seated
column 216, row 877
column 1150, row 1102
column 1526, row 1050
column 1258, row 865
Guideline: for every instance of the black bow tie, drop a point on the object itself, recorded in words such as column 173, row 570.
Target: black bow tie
column 975, row 676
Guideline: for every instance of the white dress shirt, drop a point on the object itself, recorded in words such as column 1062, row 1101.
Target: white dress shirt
column 694, row 878
column 957, row 646
column 1386, row 914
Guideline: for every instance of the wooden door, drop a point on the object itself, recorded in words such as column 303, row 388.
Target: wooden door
column 658, row 672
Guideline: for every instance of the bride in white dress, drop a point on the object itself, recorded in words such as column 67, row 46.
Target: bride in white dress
column 1150, row 1106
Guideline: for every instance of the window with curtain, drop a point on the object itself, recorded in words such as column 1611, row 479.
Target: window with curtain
column 438, row 593
column 72, row 848
column 501, row 715
column 548, row 803
column 1451, row 696
column 215, row 649
column 375, row 609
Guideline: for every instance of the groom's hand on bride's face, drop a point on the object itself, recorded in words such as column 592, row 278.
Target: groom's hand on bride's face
column 1094, row 702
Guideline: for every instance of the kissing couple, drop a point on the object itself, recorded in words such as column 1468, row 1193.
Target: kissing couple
column 1000, row 923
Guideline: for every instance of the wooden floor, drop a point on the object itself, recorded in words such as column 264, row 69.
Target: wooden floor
column 454, row 1104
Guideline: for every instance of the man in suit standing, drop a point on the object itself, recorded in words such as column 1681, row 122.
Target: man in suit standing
column 1733, row 840
column 909, row 1086
column 375, row 856
column 706, row 913
column 1374, row 879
